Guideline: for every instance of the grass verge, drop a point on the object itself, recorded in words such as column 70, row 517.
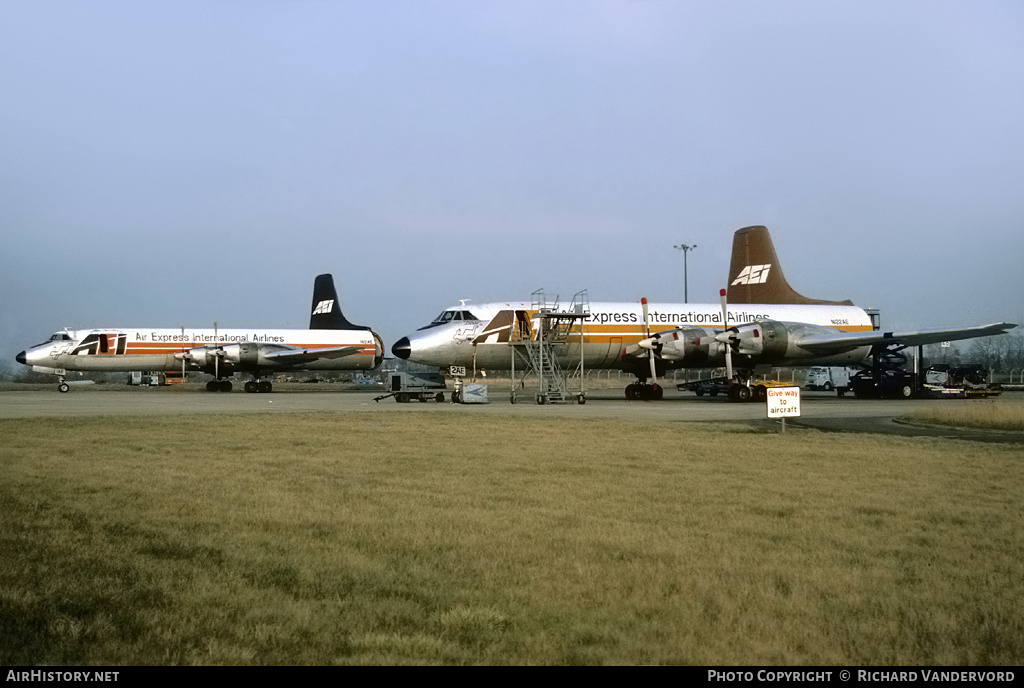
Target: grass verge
column 385, row 538
column 989, row 414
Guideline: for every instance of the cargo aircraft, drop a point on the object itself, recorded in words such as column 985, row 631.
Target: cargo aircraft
column 760, row 322
column 330, row 343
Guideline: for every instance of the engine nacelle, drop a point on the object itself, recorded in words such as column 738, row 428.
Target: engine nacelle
column 222, row 359
column 763, row 341
column 229, row 358
column 245, row 354
column 691, row 346
column 200, row 357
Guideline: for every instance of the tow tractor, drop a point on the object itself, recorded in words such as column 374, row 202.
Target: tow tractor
column 752, row 390
column 419, row 386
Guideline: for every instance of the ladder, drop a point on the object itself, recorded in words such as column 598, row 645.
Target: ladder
column 542, row 345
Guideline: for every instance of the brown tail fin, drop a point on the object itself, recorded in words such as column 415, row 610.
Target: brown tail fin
column 755, row 275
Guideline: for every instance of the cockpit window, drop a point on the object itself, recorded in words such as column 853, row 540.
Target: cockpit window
column 450, row 315
column 57, row 337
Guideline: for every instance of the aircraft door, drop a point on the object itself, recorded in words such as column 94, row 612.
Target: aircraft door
column 614, row 352
column 523, row 327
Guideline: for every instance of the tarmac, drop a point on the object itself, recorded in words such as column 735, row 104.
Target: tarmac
column 819, row 410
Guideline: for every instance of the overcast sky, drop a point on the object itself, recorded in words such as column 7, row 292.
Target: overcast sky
column 180, row 163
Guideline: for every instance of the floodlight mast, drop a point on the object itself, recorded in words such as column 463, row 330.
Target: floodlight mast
column 685, row 248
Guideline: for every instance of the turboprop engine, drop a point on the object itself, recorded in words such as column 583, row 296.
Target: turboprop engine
column 216, row 358
column 680, row 345
column 762, row 341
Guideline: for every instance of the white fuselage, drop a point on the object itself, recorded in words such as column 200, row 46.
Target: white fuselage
column 613, row 327
column 161, row 349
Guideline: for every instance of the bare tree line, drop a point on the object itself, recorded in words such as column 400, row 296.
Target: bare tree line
column 1002, row 353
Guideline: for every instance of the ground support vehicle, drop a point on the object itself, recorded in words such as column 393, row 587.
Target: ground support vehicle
column 754, row 390
column 943, row 381
column 470, row 393
column 829, row 378
column 876, row 383
column 405, row 387
column 712, row 386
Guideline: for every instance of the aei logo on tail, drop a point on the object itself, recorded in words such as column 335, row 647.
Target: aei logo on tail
column 324, row 307
column 752, row 274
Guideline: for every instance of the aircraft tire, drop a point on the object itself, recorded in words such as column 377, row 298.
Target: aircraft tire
column 760, row 393
column 250, row 387
column 739, row 393
column 264, row 386
column 224, row 386
column 64, row 388
column 581, row 399
column 211, row 386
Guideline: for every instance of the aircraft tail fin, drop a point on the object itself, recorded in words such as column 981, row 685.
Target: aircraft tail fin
column 755, row 275
column 326, row 311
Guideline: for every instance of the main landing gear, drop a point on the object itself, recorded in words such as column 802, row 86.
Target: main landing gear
column 259, row 386
column 644, row 391
column 256, row 385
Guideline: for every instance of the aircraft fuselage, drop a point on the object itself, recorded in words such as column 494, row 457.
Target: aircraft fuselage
column 161, row 349
column 482, row 338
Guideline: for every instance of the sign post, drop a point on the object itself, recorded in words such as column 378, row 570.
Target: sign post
column 783, row 402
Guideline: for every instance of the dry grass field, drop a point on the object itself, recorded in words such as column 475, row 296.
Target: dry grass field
column 384, row 538
column 994, row 414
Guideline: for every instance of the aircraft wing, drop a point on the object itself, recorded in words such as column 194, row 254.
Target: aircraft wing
column 826, row 343
column 297, row 356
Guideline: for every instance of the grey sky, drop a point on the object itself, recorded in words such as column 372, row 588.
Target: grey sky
column 167, row 164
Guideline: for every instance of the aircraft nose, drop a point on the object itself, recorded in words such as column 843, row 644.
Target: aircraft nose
column 402, row 348
column 20, row 358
